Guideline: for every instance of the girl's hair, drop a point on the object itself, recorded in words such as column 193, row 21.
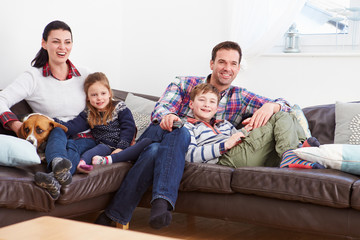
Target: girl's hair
column 95, row 117
column 42, row 57
column 204, row 88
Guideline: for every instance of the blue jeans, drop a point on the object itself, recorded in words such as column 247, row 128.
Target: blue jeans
column 58, row 145
column 129, row 154
column 160, row 164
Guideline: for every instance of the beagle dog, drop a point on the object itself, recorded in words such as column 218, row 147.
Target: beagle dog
column 36, row 128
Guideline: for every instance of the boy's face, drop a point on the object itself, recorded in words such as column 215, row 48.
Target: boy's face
column 204, row 106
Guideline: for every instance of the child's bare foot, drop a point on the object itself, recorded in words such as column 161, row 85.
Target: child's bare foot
column 83, row 167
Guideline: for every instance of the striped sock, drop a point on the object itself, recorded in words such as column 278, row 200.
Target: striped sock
column 290, row 160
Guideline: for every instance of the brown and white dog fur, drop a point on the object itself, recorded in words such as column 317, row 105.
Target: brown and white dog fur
column 36, row 128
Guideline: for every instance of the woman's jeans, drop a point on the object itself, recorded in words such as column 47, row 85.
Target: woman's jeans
column 129, row 154
column 161, row 165
column 59, row 146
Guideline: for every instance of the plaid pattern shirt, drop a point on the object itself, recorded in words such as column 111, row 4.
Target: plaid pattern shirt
column 73, row 72
column 236, row 103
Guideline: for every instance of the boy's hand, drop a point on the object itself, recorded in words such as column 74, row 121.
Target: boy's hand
column 233, row 140
column 168, row 121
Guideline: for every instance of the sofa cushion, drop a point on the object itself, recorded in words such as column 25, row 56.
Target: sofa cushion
column 326, row 187
column 141, row 109
column 321, row 120
column 344, row 157
column 355, row 196
column 347, row 118
column 102, row 179
column 15, row 151
column 206, row 178
column 18, row 189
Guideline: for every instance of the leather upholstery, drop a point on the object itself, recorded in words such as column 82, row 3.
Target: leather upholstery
column 320, row 201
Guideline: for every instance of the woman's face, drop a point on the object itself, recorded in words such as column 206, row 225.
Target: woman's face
column 58, row 45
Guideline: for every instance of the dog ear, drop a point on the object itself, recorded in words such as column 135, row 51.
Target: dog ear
column 60, row 126
column 21, row 132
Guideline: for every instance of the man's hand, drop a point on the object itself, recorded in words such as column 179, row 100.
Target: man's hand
column 15, row 126
column 262, row 115
column 168, row 121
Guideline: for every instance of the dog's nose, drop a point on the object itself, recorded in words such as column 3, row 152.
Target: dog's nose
column 31, row 141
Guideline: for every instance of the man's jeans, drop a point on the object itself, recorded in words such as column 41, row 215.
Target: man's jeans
column 59, row 146
column 160, row 164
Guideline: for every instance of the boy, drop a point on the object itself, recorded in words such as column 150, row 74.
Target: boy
column 215, row 141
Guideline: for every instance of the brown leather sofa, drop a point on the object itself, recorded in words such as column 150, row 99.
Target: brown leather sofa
column 318, row 201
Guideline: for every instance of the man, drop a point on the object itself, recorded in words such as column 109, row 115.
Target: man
column 162, row 163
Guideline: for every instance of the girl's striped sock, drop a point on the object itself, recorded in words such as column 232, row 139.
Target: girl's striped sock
column 99, row 160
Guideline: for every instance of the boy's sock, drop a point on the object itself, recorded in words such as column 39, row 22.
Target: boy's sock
column 160, row 216
column 311, row 142
column 291, row 160
column 99, row 160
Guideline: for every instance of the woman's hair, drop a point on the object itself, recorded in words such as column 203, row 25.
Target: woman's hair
column 42, row 56
column 204, row 88
column 95, row 117
column 226, row 45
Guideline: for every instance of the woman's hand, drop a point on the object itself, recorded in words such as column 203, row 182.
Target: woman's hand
column 233, row 140
column 15, row 126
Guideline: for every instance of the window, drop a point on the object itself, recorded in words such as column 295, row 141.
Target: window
column 329, row 25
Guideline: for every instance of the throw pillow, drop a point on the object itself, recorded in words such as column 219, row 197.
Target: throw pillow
column 141, row 109
column 300, row 116
column 347, row 119
column 344, row 157
column 15, row 151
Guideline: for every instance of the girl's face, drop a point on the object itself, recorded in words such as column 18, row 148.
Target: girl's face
column 99, row 96
column 58, row 45
column 204, row 106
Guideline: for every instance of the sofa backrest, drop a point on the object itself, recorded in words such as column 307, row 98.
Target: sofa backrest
column 22, row 108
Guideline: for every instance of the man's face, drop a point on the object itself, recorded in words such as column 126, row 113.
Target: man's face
column 225, row 68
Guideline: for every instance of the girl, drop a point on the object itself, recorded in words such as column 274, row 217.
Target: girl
column 111, row 123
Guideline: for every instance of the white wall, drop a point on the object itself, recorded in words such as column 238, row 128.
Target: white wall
column 141, row 45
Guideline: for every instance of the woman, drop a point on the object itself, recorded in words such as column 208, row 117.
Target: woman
column 54, row 87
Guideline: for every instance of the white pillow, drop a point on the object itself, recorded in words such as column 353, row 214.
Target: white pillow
column 17, row 152
column 344, row 157
column 141, row 109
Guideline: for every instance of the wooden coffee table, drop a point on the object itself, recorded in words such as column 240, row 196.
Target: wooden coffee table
column 52, row 228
